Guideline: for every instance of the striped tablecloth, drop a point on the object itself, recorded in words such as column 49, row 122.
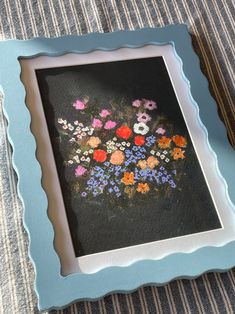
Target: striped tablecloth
column 211, row 24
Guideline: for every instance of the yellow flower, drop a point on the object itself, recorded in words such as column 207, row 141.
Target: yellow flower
column 128, row 178
column 178, row 153
column 152, row 162
column 143, row 188
column 94, row 141
column 142, row 164
column 117, row 157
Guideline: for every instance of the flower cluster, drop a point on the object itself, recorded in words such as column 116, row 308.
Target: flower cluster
column 126, row 159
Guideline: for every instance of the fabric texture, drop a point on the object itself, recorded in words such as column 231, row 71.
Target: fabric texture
column 211, row 24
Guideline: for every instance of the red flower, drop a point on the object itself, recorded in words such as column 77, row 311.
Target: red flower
column 139, row 140
column 100, row 155
column 124, row 132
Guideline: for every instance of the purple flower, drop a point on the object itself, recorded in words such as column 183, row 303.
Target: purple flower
column 137, row 103
column 160, row 131
column 80, row 171
column 143, row 117
column 84, row 194
column 150, row 104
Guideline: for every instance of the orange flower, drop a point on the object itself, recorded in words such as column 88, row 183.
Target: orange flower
column 152, row 162
column 124, row 132
column 178, row 153
column 117, row 157
column 128, row 178
column 93, row 141
column 142, row 164
column 164, row 142
column 99, row 155
column 143, row 188
column 179, row 140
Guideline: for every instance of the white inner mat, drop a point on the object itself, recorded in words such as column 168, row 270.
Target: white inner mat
column 51, row 185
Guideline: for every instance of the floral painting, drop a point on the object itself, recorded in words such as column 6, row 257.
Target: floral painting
column 131, row 153
column 127, row 167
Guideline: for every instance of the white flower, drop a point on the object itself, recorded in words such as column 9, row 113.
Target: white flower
column 75, row 122
column 165, row 152
column 60, row 120
column 118, row 145
column 167, row 160
column 71, row 128
column 88, row 159
column 78, row 151
column 76, row 158
column 141, row 128
column 83, row 134
column 109, row 151
column 123, row 143
column 80, row 124
column 85, row 153
column 90, row 132
column 158, row 154
column 162, row 156
column 114, row 139
column 83, row 158
column 72, row 140
column 79, row 137
column 65, row 121
column 64, row 127
column 70, row 162
column 122, row 148
column 152, row 152
column 90, row 151
column 128, row 144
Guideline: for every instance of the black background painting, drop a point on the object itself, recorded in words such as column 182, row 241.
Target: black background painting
column 100, row 225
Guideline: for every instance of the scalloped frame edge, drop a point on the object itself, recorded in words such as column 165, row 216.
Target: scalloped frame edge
column 53, row 290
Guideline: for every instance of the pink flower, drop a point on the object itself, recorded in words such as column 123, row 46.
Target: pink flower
column 149, row 104
column 137, row 103
column 104, row 113
column 160, row 131
column 80, row 171
column 96, row 123
column 143, row 117
column 110, row 125
column 79, row 105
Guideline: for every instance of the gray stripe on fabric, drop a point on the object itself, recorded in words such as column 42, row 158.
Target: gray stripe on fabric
column 205, row 53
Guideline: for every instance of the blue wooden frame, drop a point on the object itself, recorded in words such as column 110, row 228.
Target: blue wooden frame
column 54, row 290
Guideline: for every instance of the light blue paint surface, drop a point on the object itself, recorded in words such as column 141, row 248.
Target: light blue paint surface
column 53, row 290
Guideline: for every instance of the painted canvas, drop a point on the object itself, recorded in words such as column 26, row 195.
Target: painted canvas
column 128, row 170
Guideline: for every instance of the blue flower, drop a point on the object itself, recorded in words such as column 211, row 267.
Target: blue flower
column 142, row 150
column 116, row 189
column 162, row 168
column 110, row 190
column 106, row 163
column 135, row 148
column 128, row 153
